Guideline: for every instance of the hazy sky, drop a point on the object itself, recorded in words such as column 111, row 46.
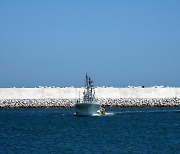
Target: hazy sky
column 118, row 42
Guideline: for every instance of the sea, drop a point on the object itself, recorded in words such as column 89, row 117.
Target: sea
column 121, row 130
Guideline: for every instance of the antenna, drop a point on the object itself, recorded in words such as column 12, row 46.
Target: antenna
column 86, row 79
column 79, row 96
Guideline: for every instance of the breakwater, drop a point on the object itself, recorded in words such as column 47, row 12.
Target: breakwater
column 69, row 103
column 107, row 97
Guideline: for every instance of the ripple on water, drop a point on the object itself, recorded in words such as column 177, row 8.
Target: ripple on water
column 130, row 130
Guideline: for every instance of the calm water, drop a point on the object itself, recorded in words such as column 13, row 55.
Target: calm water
column 147, row 130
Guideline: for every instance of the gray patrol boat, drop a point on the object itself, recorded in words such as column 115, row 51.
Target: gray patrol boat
column 88, row 106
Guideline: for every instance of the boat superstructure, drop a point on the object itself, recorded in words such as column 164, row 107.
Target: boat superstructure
column 88, row 106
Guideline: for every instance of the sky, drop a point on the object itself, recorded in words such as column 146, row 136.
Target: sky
column 119, row 43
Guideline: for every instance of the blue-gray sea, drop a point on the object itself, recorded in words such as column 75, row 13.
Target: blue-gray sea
column 128, row 130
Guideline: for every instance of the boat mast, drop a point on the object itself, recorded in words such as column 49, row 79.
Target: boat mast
column 86, row 80
column 88, row 95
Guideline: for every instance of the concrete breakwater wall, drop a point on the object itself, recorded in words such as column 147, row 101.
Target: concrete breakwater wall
column 109, row 97
column 73, row 93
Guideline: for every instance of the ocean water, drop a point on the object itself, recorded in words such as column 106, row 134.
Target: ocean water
column 130, row 130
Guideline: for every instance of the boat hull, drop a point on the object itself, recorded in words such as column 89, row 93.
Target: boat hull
column 87, row 109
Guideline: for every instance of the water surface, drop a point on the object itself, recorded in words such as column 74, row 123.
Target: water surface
column 130, row 130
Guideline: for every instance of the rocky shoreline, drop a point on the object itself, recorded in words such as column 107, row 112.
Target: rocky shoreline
column 69, row 103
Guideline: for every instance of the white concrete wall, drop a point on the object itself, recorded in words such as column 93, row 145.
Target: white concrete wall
column 137, row 92
column 39, row 93
column 73, row 93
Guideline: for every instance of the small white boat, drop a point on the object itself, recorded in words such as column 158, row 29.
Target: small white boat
column 88, row 106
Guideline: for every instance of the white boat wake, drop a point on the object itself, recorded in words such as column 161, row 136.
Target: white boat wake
column 106, row 114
